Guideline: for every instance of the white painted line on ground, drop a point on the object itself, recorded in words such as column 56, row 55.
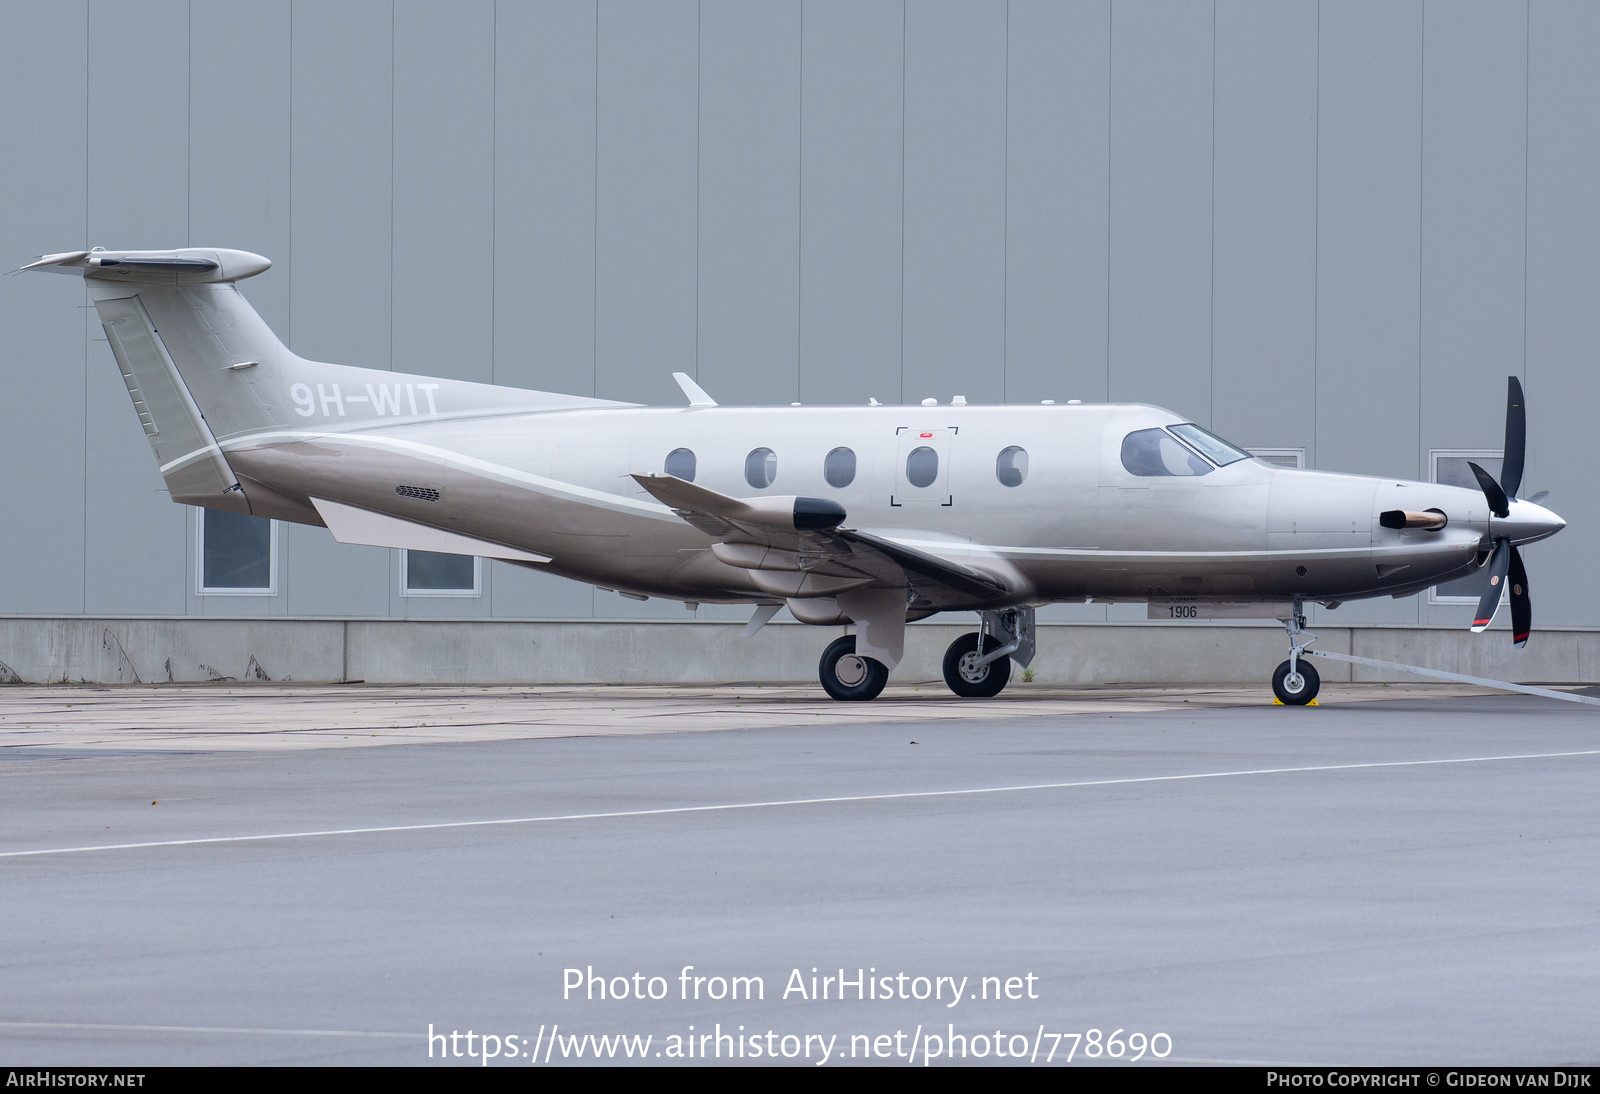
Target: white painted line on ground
column 780, row 803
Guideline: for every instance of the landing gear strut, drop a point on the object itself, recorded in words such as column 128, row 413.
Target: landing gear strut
column 1296, row 683
column 978, row 665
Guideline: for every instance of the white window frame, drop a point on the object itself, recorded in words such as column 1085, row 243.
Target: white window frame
column 1478, row 455
column 200, row 586
column 477, row 579
column 1299, row 455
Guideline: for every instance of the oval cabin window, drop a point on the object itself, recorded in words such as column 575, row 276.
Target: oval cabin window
column 922, row 466
column 1011, row 466
column 680, row 464
column 761, row 468
column 839, row 467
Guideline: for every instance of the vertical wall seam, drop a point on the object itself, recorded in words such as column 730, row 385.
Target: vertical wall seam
column 1316, row 243
column 288, row 260
column 391, row 185
column 1211, row 409
column 800, row 206
column 902, row 201
column 1005, row 226
column 699, row 154
column 188, row 133
column 494, row 183
column 1422, row 170
column 88, row 84
column 1527, row 140
column 594, row 260
column 192, row 604
column 1111, row 86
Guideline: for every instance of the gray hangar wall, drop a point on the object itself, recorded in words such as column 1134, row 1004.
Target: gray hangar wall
column 1333, row 227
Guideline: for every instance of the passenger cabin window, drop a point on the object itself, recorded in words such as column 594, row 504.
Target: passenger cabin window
column 839, row 467
column 922, row 466
column 680, row 464
column 761, row 468
column 1011, row 466
column 1152, row 453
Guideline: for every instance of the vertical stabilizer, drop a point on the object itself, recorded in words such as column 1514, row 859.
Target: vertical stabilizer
column 184, row 340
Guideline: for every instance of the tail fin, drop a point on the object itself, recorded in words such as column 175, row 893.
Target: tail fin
column 184, row 338
column 202, row 368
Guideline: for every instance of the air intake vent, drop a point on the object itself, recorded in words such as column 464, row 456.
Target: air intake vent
column 421, row 493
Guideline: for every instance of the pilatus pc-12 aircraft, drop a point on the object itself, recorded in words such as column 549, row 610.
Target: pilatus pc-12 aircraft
column 873, row 515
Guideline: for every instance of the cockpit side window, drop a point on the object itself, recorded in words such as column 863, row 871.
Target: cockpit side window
column 1211, row 446
column 1152, row 453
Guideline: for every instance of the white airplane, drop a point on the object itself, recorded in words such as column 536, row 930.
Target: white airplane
column 874, row 515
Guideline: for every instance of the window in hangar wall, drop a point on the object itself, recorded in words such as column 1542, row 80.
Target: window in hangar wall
column 237, row 554
column 431, row 573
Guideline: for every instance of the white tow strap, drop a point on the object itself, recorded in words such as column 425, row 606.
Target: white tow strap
column 1438, row 674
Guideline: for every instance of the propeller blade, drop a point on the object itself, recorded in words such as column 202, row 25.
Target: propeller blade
column 1495, row 587
column 1516, row 438
column 1538, row 499
column 1499, row 504
column 1521, row 608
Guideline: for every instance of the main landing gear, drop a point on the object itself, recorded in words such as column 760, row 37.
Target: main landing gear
column 849, row 677
column 1296, row 682
column 978, row 665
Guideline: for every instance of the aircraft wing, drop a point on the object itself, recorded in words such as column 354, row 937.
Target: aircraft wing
column 803, row 534
column 721, row 517
column 917, row 569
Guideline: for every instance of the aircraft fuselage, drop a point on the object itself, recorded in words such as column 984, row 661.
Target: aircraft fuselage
column 1078, row 524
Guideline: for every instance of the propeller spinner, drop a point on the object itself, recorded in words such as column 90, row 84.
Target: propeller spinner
column 1514, row 522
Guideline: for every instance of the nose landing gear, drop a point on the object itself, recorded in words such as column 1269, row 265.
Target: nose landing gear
column 1295, row 682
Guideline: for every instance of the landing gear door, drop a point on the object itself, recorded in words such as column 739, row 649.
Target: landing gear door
column 922, row 467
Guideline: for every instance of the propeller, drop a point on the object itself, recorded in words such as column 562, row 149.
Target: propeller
column 1505, row 561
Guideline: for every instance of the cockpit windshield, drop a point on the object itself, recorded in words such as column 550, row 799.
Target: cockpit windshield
column 1213, row 447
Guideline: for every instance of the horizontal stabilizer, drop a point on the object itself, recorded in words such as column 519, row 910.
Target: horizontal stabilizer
column 352, row 525
column 186, row 266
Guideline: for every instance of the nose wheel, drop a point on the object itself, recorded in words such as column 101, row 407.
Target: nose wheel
column 1296, row 685
column 849, row 677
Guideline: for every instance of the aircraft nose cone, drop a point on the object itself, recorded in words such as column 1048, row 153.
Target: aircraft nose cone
column 1528, row 523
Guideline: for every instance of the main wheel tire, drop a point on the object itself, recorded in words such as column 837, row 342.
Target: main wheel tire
column 972, row 681
column 848, row 677
column 1295, row 692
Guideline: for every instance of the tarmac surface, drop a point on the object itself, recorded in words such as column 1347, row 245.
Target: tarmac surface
column 1404, row 874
